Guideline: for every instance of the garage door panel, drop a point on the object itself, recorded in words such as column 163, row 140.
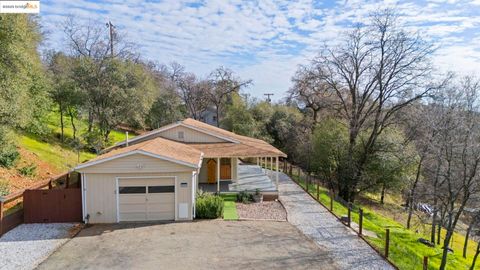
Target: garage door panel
column 128, row 199
column 146, row 199
column 161, row 207
column 161, row 198
column 161, row 216
column 135, row 207
column 134, row 216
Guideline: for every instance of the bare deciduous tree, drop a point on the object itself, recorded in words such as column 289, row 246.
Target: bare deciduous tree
column 193, row 92
column 310, row 91
column 375, row 73
column 223, row 83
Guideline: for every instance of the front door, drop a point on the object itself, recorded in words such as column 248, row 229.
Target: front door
column 212, row 171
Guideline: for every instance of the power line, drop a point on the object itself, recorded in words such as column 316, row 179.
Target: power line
column 268, row 97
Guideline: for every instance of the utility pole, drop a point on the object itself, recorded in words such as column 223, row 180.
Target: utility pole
column 268, row 97
column 111, row 26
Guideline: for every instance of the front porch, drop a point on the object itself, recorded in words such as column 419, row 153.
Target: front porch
column 250, row 177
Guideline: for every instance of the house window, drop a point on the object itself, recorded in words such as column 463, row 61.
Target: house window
column 181, row 135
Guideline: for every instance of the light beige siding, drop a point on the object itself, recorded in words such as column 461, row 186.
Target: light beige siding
column 137, row 163
column 203, row 176
column 189, row 135
column 101, row 199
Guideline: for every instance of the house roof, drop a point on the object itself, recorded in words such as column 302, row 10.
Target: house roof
column 234, row 146
column 157, row 147
column 246, row 146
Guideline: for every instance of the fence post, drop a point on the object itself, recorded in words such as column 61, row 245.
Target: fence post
column 425, row 263
column 1, row 216
column 387, row 242
column 349, row 214
column 360, row 221
column 331, row 200
column 318, row 190
column 67, row 181
column 79, row 180
column 50, row 184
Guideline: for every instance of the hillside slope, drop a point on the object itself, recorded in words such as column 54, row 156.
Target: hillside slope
column 47, row 155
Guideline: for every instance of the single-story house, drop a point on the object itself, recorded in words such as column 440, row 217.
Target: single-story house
column 155, row 176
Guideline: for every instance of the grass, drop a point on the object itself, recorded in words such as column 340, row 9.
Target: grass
column 405, row 250
column 229, row 206
column 51, row 150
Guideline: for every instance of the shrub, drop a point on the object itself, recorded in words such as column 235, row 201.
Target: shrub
column 4, row 187
column 29, row 170
column 8, row 156
column 208, row 206
column 8, row 151
column 244, row 197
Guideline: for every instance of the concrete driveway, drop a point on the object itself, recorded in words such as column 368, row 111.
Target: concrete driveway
column 213, row 244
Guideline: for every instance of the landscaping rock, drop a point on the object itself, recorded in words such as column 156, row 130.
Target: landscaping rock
column 271, row 210
column 29, row 244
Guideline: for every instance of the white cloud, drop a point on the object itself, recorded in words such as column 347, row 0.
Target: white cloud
column 264, row 40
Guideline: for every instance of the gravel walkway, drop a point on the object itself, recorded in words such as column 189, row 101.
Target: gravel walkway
column 29, row 244
column 311, row 218
column 270, row 210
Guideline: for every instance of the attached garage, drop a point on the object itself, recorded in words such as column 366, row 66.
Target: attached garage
column 150, row 181
column 146, row 199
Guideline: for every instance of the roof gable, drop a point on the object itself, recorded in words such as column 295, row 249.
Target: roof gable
column 208, row 132
column 158, row 148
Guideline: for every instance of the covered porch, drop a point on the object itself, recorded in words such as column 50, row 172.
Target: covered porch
column 247, row 177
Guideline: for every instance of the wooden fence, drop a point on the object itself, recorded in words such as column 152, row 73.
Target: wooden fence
column 11, row 206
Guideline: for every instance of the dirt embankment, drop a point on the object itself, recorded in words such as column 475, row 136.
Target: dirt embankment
column 18, row 181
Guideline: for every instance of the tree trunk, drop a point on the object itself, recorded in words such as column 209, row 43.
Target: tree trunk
column 74, row 128
column 446, row 244
column 217, row 110
column 382, row 196
column 440, row 225
column 434, row 221
column 90, row 121
column 467, row 235
column 472, row 267
column 411, row 197
column 61, row 125
column 410, row 211
column 107, row 134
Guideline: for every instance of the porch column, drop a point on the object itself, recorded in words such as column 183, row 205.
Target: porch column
column 264, row 160
column 218, row 175
column 266, row 165
column 276, row 176
column 271, row 166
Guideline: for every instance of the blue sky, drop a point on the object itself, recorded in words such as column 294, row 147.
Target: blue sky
column 265, row 40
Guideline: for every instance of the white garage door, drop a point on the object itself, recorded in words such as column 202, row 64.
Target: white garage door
column 141, row 199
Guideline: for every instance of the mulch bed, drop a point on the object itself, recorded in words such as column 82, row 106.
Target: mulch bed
column 270, row 210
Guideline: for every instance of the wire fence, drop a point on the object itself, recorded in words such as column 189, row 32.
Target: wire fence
column 381, row 236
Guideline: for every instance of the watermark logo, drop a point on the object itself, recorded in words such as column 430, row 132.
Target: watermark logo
column 19, row 6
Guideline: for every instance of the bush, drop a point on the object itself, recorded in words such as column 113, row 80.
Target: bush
column 244, row 197
column 208, row 206
column 4, row 187
column 8, row 157
column 8, row 151
column 29, row 170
